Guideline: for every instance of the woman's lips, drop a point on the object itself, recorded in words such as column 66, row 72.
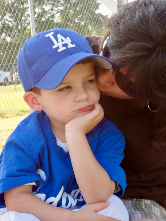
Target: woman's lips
column 86, row 108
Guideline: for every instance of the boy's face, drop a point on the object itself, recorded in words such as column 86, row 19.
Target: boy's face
column 75, row 96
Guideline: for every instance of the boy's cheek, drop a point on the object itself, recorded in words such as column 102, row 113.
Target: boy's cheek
column 97, row 94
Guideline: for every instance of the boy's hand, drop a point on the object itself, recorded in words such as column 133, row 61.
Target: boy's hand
column 89, row 213
column 86, row 122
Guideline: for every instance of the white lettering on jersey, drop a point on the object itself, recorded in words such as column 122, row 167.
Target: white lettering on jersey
column 68, row 200
column 41, row 196
column 41, row 173
column 75, row 193
column 72, row 200
column 61, row 41
column 54, row 200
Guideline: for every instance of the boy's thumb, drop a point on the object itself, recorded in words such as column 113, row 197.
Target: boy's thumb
column 100, row 206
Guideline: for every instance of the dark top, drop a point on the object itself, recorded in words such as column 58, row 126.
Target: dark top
column 144, row 164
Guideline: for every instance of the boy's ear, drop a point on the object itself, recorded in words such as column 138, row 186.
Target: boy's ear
column 31, row 98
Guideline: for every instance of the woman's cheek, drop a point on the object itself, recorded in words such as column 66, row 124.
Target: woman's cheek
column 106, row 79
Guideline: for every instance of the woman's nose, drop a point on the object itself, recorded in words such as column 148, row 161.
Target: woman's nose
column 106, row 78
column 81, row 94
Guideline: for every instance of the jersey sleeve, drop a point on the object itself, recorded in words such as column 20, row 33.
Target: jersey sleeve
column 17, row 168
column 109, row 153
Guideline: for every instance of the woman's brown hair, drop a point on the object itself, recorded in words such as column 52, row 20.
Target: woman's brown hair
column 137, row 38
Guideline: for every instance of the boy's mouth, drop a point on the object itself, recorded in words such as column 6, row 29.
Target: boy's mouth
column 86, row 108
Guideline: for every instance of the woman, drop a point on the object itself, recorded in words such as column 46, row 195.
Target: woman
column 134, row 98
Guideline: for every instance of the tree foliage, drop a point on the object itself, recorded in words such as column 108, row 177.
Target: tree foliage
column 78, row 15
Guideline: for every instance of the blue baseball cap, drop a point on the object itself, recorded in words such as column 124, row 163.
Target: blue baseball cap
column 46, row 58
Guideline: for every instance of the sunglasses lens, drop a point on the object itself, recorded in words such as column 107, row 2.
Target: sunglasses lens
column 106, row 52
column 127, row 87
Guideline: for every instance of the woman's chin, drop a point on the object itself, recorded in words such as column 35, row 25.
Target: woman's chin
column 116, row 95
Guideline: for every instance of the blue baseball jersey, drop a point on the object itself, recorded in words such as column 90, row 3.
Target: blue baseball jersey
column 31, row 154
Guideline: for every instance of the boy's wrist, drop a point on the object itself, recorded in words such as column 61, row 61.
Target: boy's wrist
column 71, row 130
column 74, row 136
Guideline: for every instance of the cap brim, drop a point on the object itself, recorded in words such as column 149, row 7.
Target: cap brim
column 55, row 75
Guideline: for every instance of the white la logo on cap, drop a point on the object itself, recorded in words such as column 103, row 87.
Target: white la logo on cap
column 61, row 40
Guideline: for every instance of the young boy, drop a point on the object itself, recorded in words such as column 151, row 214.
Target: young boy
column 65, row 154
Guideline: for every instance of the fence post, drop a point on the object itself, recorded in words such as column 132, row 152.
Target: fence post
column 120, row 3
column 32, row 21
column 111, row 4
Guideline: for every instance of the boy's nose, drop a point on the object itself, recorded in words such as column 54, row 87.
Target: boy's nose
column 81, row 94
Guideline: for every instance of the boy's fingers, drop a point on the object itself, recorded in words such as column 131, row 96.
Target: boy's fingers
column 98, row 110
column 99, row 206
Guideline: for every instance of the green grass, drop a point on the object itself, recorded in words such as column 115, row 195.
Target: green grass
column 13, row 109
column 11, row 101
column 7, row 125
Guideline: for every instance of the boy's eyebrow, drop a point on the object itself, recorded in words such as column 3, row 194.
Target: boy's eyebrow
column 92, row 74
column 66, row 82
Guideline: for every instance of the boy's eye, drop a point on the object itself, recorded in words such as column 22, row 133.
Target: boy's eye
column 65, row 88
column 90, row 81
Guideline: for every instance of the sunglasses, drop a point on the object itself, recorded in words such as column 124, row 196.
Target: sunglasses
column 126, row 86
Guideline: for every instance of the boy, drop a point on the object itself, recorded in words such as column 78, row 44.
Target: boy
column 64, row 154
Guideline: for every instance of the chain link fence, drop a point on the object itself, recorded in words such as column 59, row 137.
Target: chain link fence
column 83, row 16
